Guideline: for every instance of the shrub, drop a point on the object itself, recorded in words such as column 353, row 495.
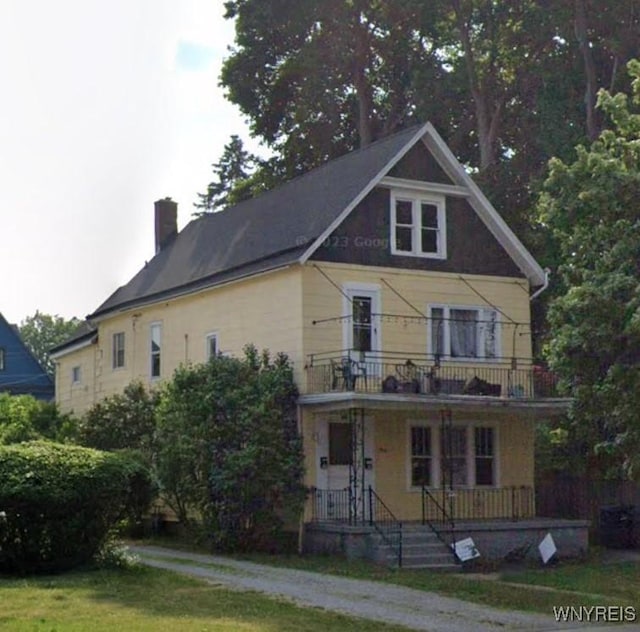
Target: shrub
column 122, row 421
column 125, row 422
column 24, row 418
column 58, row 504
column 229, row 451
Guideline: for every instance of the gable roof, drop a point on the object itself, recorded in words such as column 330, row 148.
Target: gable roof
column 286, row 225
column 23, row 374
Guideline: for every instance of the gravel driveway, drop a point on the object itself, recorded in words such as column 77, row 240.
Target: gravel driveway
column 415, row 609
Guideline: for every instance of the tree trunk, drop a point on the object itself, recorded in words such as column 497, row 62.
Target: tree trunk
column 582, row 36
column 361, row 83
column 487, row 118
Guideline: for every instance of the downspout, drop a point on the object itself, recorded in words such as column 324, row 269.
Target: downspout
column 545, row 285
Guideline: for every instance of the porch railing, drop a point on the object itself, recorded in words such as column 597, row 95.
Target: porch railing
column 514, row 502
column 349, row 370
column 331, row 505
column 385, row 523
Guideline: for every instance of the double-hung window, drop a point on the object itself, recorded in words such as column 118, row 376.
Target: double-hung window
column 211, row 346
column 421, row 456
column 117, row 350
column 484, row 455
column 456, row 456
column 155, row 331
column 418, row 225
column 464, row 332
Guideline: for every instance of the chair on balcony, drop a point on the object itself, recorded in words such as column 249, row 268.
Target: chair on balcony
column 345, row 373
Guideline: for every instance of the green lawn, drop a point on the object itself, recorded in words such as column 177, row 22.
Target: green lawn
column 144, row 599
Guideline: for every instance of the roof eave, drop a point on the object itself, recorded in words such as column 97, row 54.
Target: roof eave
column 183, row 290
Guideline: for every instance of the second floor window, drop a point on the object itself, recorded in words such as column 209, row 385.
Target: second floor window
column 464, row 332
column 212, row 346
column 75, row 375
column 156, row 348
column 418, row 226
column 118, row 350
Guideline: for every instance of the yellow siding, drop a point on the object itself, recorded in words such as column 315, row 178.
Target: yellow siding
column 265, row 311
column 322, row 300
column 391, row 458
column 76, row 397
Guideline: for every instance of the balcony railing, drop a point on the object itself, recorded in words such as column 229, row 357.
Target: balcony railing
column 412, row 373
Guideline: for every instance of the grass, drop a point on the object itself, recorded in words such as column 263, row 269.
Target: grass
column 144, row 599
column 585, row 583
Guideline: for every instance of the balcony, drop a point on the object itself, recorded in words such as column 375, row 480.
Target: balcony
column 413, row 374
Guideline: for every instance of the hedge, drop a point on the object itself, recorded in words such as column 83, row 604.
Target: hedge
column 58, row 503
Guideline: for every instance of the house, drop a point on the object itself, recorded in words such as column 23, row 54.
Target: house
column 403, row 300
column 20, row 372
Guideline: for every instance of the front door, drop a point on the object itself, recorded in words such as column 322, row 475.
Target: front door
column 335, row 473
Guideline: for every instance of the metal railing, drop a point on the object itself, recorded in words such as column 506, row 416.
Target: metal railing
column 331, row 505
column 514, row 503
column 443, row 517
column 348, row 370
column 385, row 523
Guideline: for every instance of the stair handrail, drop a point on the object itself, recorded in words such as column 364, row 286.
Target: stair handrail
column 394, row 526
column 446, row 518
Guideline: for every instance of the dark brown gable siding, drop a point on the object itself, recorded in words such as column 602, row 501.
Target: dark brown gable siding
column 364, row 238
column 419, row 164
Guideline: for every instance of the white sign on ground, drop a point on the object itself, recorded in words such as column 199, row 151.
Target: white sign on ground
column 466, row 549
column 547, row 548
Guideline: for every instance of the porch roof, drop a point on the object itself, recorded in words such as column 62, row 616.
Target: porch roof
column 341, row 400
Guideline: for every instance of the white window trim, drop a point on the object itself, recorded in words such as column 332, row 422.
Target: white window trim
column 113, row 349
column 207, row 338
column 151, row 327
column 415, row 197
column 351, row 289
column 447, row 336
column 75, row 382
column 436, row 454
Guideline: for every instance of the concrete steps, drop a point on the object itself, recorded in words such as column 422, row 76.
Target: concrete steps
column 421, row 548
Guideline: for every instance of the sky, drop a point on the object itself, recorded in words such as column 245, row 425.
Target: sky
column 105, row 107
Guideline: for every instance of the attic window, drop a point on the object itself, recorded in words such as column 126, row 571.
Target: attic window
column 418, row 225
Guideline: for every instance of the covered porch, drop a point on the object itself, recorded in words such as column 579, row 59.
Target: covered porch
column 382, row 467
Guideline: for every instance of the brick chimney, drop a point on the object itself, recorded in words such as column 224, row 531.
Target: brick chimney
column 166, row 222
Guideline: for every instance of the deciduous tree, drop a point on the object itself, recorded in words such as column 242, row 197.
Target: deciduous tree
column 41, row 332
column 591, row 209
column 229, row 457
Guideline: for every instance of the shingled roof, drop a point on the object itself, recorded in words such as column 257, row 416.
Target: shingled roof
column 260, row 234
column 285, row 225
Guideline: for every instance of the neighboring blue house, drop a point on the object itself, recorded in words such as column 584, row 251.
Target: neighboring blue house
column 20, row 372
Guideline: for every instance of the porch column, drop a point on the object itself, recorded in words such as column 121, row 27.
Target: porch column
column 357, row 465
